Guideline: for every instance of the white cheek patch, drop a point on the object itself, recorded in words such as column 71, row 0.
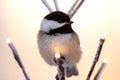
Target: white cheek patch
column 48, row 25
column 54, row 24
column 44, row 26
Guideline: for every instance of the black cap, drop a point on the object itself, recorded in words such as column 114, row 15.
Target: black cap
column 58, row 16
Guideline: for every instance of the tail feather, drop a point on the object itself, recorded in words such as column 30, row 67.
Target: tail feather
column 70, row 71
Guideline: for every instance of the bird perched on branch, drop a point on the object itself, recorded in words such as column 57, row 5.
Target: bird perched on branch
column 56, row 35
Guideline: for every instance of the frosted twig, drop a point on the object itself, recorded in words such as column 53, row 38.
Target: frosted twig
column 72, row 7
column 76, row 9
column 96, row 58
column 56, row 5
column 17, row 58
column 59, row 63
column 47, row 5
column 103, row 65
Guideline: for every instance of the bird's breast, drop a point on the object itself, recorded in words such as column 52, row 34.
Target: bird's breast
column 65, row 44
column 59, row 43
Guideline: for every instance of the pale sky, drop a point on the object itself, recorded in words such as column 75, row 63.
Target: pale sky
column 20, row 20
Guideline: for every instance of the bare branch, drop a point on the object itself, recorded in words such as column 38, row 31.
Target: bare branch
column 75, row 9
column 103, row 65
column 47, row 5
column 101, row 42
column 72, row 7
column 17, row 58
column 56, row 5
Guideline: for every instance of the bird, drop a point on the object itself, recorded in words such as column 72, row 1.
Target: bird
column 56, row 35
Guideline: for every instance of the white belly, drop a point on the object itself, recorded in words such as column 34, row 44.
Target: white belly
column 49, row 45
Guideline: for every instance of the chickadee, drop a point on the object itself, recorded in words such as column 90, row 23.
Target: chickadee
column 57, row 35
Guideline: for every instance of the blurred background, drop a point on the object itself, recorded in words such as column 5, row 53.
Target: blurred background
column 20, row 20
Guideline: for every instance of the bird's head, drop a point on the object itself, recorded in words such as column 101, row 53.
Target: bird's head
column 55, row 20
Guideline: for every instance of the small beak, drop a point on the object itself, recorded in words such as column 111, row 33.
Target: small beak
column 70, row 22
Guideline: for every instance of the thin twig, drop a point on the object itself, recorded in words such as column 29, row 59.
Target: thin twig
column 17, row 58
column 72, row 7
column 60, row 68
column 76, row 9
column 96, row 58
column 47, row 5
column 103, row 65
column 56, row 5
